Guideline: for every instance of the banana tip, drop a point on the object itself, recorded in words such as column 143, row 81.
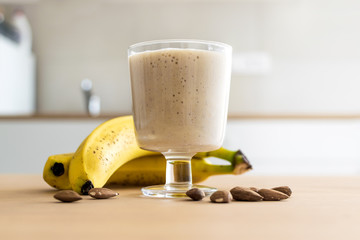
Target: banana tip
column 244, row 165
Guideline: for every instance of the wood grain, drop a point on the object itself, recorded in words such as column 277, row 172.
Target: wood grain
column 320, row 208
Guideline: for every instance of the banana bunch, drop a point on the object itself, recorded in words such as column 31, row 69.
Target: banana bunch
column 110, row 155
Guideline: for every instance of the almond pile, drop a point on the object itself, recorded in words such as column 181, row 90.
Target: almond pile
column 72, row 196
column 251, row 194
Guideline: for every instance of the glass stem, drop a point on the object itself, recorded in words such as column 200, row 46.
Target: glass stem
column 178, row 170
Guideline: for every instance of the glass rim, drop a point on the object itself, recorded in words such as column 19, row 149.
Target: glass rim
column 196, row 41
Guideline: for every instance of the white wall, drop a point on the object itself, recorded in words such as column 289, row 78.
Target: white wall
column 314, row 46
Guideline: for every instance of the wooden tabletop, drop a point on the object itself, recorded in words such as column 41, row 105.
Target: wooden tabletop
column 320, row 208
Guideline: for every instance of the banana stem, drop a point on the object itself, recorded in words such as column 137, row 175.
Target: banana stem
column 219, row 169
column 222, row 153
column 239, row 162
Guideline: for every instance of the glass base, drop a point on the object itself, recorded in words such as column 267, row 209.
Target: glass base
column 165, row 191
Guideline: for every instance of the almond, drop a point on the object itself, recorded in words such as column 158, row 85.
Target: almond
column 283, row 189
column 272, row 195
column 245, row 194
column 67, row 196
column 102, row 193
column 221, row 196
column 195, row 194
column 254, row 189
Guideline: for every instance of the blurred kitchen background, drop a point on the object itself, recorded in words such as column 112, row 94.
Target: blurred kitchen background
column 294, row 103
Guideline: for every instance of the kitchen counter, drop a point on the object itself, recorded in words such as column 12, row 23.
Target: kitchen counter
column 320, row 208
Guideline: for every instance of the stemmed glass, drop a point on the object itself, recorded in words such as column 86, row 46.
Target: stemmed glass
column 180, row 93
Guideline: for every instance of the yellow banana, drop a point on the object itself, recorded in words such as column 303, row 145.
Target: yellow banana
column 109, row 146
column 149, row 170
column 56, row 171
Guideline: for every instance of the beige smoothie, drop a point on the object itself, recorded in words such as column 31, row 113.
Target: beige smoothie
column 180, row 98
